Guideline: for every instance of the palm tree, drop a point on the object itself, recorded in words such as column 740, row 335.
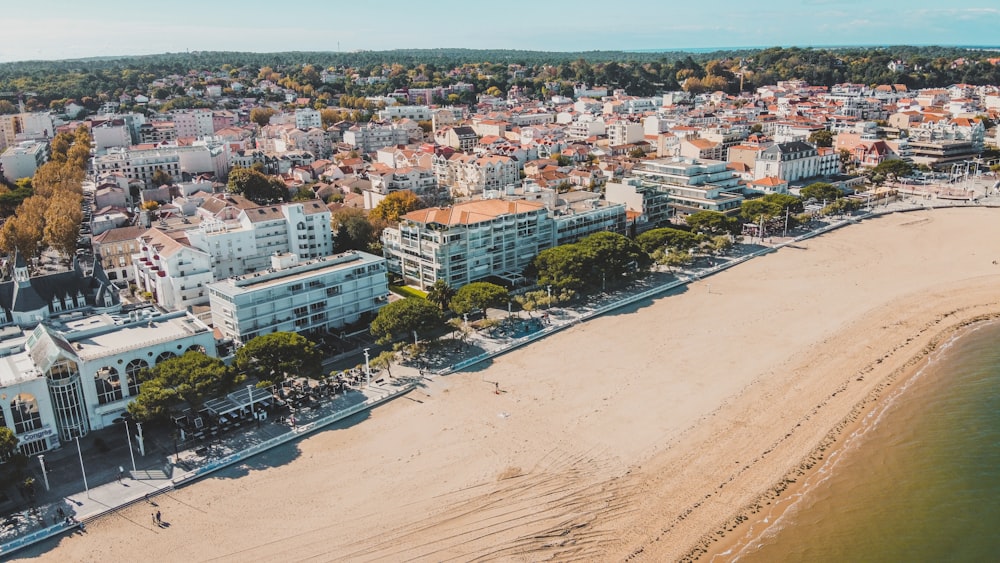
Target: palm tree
column 440, row 294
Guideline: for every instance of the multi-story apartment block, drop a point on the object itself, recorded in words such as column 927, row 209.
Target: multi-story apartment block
column 312, row 296
column 195, row 123
column 624, row 132
column 416, row 113
column 373, row 137
column 74, row 373
column 385, row 180
column 307, row 118
column 174, row 273
column 157, row 132
column 241, row 241
column 21, row 160
column 140, row 163
column 112, row 133
column 645, row 198
column 693, row 185
column 467, row 242
column 468, row 174
column 492, row 237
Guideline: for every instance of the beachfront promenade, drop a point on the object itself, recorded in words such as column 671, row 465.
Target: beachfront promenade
column 203, row 459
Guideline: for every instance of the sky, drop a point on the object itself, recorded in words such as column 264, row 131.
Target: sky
column 66, row 29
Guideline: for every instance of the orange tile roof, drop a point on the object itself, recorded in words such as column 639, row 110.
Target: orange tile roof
column 472, row 212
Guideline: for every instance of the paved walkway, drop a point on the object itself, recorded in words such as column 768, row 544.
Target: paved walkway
column 167, row 465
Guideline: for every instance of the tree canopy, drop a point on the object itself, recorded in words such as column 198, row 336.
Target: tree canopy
column 821, row 138
column 478, row 296
column 769, row 207
column 353, row 230
column 273, row 357
column 593, row 262
column 676, row 239
column 256, row 186
column 395, row 205
column 192, row 379
column 440, row 294
column 399, row 319
column 712, row 223
column 821, row 191
column 8, row 442
column 894, row 168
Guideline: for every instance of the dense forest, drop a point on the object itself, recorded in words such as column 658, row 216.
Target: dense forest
column 42, row 83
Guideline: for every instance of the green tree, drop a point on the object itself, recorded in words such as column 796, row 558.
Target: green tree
column 821, row 191
column 712, row 223
column 563, row 266
column 440, row 294
column 893, row 169
column 353, row 230
column 8, row 442
column 655, row 239
column 401, row 318
column 613, row 257
column 256, row 186
column 192, row 379
column 394, row 206
column 261, row 116
column 478, row 296
column 821, row 138
column 273, row 357
column 162, row 178
column 384, row 360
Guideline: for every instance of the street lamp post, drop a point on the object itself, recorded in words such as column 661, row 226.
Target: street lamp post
column 548, row 289
column 82, row 470
column 128, row 438
column 368, row 369
column 45, row 474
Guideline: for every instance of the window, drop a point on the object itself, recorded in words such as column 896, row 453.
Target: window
column 165, row 356
column 132, row 375
column 108, row 384
column 24, row 412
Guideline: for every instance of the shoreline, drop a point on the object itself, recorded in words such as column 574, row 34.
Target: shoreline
column 635, row 435
column 738, row 532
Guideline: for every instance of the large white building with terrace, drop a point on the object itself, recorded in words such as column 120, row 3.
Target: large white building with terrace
column 692, row 185
column 314, row 296
column 76, row 373
column 467, row 242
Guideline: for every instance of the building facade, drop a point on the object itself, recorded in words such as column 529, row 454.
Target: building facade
column 313, row 296
column 77, row 373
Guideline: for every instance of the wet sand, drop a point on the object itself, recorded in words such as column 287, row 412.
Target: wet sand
column 642, row 435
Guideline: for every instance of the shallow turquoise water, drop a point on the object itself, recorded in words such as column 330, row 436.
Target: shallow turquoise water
column 919, row 482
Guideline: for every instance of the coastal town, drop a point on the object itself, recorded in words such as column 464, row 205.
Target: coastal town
column 365, row 234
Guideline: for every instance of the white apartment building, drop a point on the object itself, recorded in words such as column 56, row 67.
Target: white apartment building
column 468, row 174
column 313, row 296
column 584, row 127
column 467, row 242
column 21, row 160
column 109, row 134
column 623, row 132
column 195, row 123
column 245, row 243
column 140, row 164
column 692, row 185
column 77, row 373
column 307, row 118
column 386, row 181
column 174, row 273
column 416, row 113
column 373, row 137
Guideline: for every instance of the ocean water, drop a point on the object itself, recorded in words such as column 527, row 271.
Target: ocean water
column 919, row 481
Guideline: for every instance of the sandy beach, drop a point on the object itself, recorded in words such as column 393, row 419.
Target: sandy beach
column 644, row 435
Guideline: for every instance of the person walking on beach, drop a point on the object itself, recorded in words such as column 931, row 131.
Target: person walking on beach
column 497, row 387
column 153, row 516
column 158, row 520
